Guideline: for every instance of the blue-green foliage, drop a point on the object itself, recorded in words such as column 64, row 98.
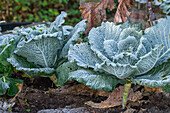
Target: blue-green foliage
column 42, row 49
column 7, row 45
column 123, row 52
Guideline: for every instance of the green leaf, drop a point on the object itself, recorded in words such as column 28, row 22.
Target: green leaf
column 74, row 35
column 63, row 72
column 159, row 34
column 166, row 88
column 95, row 80
column 29, row 68
column 157, row 77
column 148, row 61
column 83, row 55
column 41, row 51
column 9, row 84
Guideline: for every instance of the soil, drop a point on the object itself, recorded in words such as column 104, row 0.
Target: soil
column 40, row 93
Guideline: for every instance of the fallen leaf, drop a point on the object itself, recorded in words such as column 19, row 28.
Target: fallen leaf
column 155, row 90
column 95, row 11
column 122, row 12
column 79, row 89
column 116, row 98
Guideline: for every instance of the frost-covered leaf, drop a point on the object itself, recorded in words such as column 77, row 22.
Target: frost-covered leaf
column 159, row 34
column 148, row 61
column 74, row 35
column 63, row 71
column 121, row 71
column 41, row 51
column 29, row 68
column 97, row 36
column 165, row 6
column 95, row 80
column 57, row 24
column 83, row 55
column 6, row 49
column 157, row 77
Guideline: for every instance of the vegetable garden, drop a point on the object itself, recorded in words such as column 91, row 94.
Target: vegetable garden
column 116, row 59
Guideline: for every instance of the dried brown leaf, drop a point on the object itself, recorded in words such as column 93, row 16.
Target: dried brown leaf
column 116, row 98
column 122, row 12
column 95, row 12
column 82, row 89
column 155, row 90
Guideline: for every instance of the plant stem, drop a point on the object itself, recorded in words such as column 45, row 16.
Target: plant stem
column 127, row 87
column 53, row 78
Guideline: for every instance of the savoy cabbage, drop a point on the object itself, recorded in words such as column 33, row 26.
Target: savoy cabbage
column 42, row 49
column 7, row 45
column 120, row 52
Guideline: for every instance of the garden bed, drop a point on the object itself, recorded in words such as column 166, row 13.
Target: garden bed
column 40, row 93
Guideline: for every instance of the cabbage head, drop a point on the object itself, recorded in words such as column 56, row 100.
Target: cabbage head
column 121, row 53
column 43, row 48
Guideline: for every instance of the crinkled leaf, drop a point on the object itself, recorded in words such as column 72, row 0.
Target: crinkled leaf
column 165, row 6
column 41, row 51
column 125, row 58
column 95, row 80
column 159, row 34
column 73, row 37
column 67, row 29
column 157, row 77
column 9, row 84
column 6, row 49
column 57, row 24
column 108, row 31
column 148, row 61
column 121, row 71
column 5, row 52
column 110, row 47
column 83, row 55
column 63, row 72
column 130, row 43
column 29, row 68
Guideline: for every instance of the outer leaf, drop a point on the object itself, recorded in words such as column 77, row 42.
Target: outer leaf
column 63, row 72
column 157, row 77
column 29, row 68
column 57, row 24
column 41, row 51
column 119, row 70
column 83, row 55
column 148, row 61
column 10, row 84
column 159, row 34
column 73, row 37
column 95, row 80
column 6, row 49
column 165, row 6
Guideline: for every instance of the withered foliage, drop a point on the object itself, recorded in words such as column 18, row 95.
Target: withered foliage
column 95, row 11
column 116, row 98
column 122, row 12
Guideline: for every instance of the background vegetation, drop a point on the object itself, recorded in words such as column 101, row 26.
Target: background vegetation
column 38, row 10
